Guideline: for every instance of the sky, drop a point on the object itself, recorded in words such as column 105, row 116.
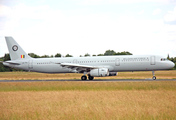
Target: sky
column 77, row 27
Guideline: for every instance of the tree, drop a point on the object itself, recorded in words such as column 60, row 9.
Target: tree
column 168, row 57
column 6, row 68
column 45, row 56
column 58, row 55
column 100, row 55
column 68, row 55
column 2, row 69
column 1, row 58
column 34, row 55
column 87, row 55
column 109, row 52
column 123, row 53
column 174, row 60
column 93, row 55
column 6, row 57
column 171, row 59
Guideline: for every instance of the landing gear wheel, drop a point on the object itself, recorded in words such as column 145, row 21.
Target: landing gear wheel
column 84, row 77
column 154, row 78
column 91, row 77
column 153, row 72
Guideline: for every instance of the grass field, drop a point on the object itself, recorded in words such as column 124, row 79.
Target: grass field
column 170, row 74
column 88, row 100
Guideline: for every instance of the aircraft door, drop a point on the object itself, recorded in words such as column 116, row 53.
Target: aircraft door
column 30, row 65
column 152, row 60
column 75, row 61
column 117, row 61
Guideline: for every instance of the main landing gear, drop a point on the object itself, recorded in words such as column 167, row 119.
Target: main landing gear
column 91, row 77
column 84, row 77
column 154, row 78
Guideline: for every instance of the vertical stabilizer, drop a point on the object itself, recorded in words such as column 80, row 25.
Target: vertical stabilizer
column 16, row 52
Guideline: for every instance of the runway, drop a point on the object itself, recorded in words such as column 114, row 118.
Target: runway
column 96, row 80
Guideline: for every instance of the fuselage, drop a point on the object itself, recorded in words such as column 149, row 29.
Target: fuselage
column 113, row 63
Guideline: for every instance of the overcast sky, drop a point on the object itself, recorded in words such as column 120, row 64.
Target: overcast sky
column 78, row 27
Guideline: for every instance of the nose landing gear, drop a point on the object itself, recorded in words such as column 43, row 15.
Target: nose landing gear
column 154, row 78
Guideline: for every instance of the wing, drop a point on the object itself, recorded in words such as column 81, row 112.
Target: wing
column 77, row 67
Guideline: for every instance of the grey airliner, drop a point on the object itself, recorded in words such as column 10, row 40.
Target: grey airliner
column 90, row 67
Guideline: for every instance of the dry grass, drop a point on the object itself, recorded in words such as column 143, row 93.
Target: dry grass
column 171, row 74
column 88, row 100
column 68, row 105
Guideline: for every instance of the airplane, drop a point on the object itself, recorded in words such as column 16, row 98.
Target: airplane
column 99, row 66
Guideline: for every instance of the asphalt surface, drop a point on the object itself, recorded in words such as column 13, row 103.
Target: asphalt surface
column 95, row 80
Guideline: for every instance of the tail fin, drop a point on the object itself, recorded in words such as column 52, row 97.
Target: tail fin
column 16, row 52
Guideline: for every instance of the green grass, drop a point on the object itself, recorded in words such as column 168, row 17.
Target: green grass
column 87, row 86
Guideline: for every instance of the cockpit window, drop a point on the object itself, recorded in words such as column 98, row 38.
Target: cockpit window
column 164, row 59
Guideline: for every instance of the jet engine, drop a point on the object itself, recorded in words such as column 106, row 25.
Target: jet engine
column 101, row 72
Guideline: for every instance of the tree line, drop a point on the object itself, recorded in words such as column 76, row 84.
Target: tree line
column 107, row 52
column 33, row 55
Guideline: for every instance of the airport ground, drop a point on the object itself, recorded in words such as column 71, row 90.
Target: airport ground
column 88, row 100
column 169, row 74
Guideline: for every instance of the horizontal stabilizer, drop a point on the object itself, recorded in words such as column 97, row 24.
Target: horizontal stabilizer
column 11, row 62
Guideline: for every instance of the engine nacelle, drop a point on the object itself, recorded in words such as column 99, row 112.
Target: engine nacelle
column 101, row 72
column 112, row 73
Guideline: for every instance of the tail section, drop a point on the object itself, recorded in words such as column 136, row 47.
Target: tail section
column 16, row 52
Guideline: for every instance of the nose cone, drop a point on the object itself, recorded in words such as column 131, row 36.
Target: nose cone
column 171, row 64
